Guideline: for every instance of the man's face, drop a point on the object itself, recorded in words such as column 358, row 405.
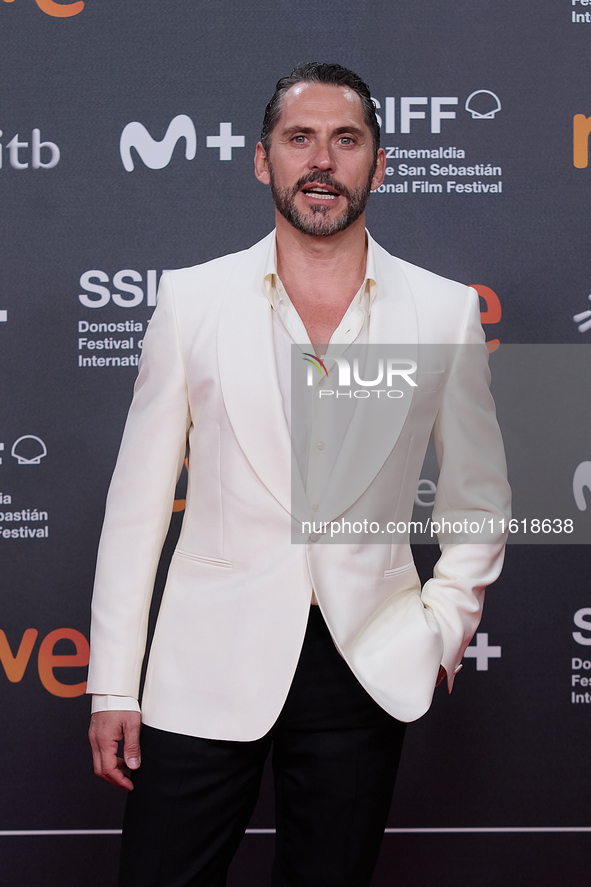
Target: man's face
column 321, row 164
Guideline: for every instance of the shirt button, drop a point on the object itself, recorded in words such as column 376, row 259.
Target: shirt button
column 315, row 507
column 320, row 444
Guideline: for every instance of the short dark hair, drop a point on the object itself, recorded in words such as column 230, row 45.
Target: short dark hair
column 333, row 75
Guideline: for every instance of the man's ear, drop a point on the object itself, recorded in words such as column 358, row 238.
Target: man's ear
column 261, row 164
column 378, row 176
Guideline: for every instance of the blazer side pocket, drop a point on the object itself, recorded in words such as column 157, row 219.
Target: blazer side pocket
column 397, row 570
column 203, row 559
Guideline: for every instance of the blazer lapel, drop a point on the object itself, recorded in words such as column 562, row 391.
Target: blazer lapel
column 250, row 387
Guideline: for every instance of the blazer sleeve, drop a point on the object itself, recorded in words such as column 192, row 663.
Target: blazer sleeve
column 139, row 506
column 472, row 486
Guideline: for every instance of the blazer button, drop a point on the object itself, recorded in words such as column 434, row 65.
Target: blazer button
column 314, row 537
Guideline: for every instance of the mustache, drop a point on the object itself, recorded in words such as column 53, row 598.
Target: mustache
column 321, row 178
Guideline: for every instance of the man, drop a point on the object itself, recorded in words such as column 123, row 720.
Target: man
column 243, row 657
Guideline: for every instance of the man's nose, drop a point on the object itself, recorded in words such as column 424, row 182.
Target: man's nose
column 322, row 158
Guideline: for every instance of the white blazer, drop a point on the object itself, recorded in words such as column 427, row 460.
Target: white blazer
column 236, row 603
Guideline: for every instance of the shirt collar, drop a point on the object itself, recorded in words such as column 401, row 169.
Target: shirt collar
column 270, row 276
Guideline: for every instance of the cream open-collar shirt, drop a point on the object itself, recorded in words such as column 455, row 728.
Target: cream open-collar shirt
column 316, row 434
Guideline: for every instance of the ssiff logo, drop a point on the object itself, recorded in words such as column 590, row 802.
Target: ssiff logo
column 482, row 104
column 58, row 10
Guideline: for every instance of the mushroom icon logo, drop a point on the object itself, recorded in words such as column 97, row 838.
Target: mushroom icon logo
column 483, row 104
column 28, row 450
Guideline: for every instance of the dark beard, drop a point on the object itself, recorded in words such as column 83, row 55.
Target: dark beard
column 317, row 223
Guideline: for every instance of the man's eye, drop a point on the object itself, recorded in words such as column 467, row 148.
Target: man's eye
column 346, row 140
column 299, row 139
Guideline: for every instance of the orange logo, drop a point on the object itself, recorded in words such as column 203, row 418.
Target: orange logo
column 58, row 10
column 15, row 664
column 581, row 130
column 492, row 313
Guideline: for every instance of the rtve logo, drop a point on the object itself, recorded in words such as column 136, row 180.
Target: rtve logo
column 15, row 664
column 42, row 155
column 58, row 10
column 157, row 154
column 482, row 104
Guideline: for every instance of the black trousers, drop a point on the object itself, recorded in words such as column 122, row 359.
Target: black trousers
column 335, row 756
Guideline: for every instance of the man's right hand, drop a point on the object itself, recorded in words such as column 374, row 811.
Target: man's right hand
column 107, row 729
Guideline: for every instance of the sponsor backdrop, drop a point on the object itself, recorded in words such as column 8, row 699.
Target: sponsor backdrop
column 126, row 139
